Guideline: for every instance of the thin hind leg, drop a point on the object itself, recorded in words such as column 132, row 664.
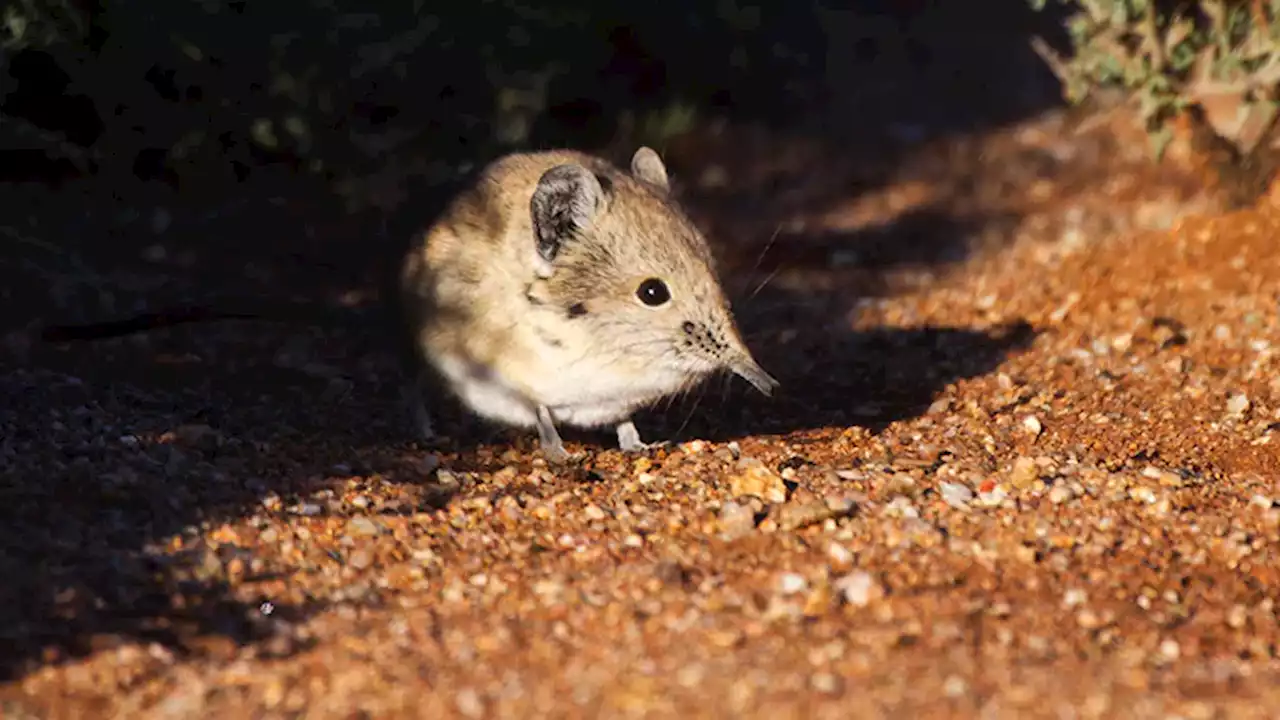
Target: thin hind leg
column 629, row 438
column 415, row 398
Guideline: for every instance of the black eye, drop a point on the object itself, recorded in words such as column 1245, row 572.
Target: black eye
column 653, row 292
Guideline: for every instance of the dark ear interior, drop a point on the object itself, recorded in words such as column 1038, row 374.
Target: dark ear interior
column 565, row 201
column 647, row 166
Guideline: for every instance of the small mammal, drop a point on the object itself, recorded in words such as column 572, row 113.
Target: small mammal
column 561, row 289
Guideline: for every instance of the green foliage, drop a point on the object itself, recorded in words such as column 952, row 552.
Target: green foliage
column 1222, row 56
column 40, row 23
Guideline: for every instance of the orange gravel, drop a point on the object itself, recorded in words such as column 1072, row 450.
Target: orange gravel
column 1024, row 465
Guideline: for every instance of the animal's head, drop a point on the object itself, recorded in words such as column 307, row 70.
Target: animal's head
column 618, row 257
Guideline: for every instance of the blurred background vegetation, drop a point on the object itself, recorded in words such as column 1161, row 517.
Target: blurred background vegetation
column 203, row 92
column 206, row 108
column 1215, row 60
column 220, row 124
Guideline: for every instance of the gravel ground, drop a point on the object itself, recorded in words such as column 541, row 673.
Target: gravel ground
column 1023, row 465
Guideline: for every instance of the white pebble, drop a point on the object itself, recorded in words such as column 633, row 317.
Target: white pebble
column 901, row 507
column 1238, row 404
column 1143, row 495
column 997, row 495
column 792, row 583
column 955, row 687
column 1060, row 494
column 956, row 495
column 839, row 554
column 1237, row 616
column 856, row 587
column 469, row 703
column 1031, row 424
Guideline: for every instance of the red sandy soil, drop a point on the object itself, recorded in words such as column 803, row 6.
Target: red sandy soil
column 1039, row 480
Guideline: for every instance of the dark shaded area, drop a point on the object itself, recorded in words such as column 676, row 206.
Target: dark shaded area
column 167, row 157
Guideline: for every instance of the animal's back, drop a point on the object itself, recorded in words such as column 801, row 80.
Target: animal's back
column 461, row 281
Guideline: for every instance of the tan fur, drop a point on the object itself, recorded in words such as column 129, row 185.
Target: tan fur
column 574, row 338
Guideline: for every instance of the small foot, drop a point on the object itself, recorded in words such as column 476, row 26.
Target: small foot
column 629, row 439
column 552, row 446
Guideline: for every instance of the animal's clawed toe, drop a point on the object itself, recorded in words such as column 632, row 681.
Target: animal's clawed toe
column 641, row 447
column 629, row 439
column 556, row 454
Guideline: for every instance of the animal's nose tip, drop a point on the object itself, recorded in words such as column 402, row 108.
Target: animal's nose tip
column 748, row 369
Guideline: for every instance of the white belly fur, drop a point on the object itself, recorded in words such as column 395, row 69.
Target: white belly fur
column 575, row 393
column 486, row 394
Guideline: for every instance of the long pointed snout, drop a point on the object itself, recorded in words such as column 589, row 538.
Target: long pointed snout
column 745, row 367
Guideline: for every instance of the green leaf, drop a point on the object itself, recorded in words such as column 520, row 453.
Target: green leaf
column 263, row 132
column 15, row 23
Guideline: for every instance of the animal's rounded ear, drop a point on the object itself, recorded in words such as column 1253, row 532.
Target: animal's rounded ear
column 565, row 202
column 647, row 166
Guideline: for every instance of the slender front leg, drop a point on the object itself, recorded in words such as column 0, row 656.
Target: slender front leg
column 629, row 438
column 418, row 409
column 552, row 445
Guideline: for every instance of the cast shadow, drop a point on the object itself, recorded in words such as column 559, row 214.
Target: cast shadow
column 79, row 528
column 123, row 451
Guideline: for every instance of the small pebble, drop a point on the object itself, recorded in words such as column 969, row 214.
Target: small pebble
column 1032, row 425
column 955, row 687
column 1237, row 616
column 736, row 520
column 993, row 497
column 1060, row 493
column 859, row 588
column 956, row 495
column 1143, row 495
column 360, row 559
column 759, row 481
column 901, row 507
column 839, row 555
column 469, row 704
column 939, row 406
column 1025, row 471
column 825, row 683
column 792, row 583
column 1238, row 405
column 362, row 527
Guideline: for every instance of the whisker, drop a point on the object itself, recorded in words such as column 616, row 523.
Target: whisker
column 760, row 258
column 763, row 283
column 689, row 416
